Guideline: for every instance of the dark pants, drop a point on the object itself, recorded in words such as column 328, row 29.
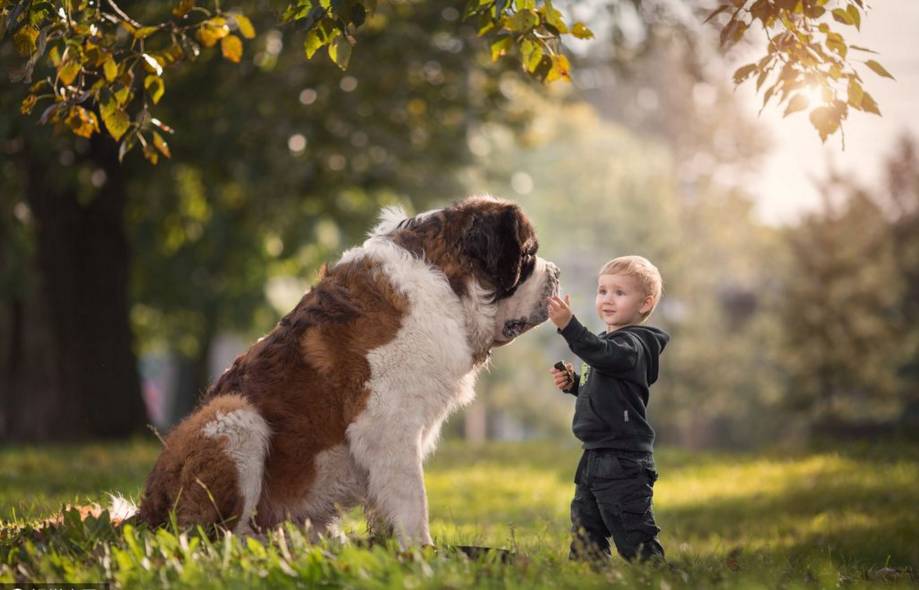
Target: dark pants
column 613, row 499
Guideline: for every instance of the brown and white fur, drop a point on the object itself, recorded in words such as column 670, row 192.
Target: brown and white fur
column 341, row 402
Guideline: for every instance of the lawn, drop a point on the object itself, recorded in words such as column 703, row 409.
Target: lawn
column 840, row 517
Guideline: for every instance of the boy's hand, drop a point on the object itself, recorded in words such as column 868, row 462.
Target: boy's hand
column 560, row 311
column 562, row 378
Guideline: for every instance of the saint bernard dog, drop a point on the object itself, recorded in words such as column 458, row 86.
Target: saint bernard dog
column 340, row 403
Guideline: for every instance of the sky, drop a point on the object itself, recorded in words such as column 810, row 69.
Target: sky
column 784, row 187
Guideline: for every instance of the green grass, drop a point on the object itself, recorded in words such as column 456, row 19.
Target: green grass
column 842, row 517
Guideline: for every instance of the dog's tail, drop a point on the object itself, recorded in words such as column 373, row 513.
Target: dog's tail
column 122, row 509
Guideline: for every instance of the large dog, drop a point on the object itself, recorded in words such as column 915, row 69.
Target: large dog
column 339, row 404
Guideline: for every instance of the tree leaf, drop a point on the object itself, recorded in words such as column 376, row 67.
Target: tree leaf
column 855, row 93
column 840, row 15
column 716, row 12
column 869, row 105
column 581, row 31
column 155, row 87
column 797, row 103
column 115, row 119
column 340, row 52
column 500, row 47
column 232, row 48
column 68, row 72
column 743, row 72
column 561, row 69
column 28, row 103
column 144, row 32
column 82, row 122
column 212, row 30
column 110, row 69
column 855, row 16
column 183, row 8
column 879, row 69
column 24, row 40
column 152, row 65
column 826, row 120
column 161, row 144
column 312, row 44
column 245, row 26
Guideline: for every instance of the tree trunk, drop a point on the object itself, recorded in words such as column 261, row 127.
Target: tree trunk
column 92, row 388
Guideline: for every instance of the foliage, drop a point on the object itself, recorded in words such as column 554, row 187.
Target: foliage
column 821, row 519
column 806, row 60
column 105, row 65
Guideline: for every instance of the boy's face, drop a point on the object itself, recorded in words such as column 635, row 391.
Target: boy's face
column 621, row 300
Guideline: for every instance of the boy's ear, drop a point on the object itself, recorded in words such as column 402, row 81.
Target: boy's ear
column 646, row 305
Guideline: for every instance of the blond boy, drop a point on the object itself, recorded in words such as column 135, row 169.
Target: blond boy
column 615, row 477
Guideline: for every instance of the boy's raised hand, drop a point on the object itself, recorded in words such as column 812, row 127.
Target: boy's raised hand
column 560, row 311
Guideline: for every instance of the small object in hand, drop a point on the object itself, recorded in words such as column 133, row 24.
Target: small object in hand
column 561, row 367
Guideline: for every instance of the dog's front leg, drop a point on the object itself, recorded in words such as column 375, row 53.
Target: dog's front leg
column 391, row 455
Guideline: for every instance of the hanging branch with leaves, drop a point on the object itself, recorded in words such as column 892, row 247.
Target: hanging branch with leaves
column 807, row 63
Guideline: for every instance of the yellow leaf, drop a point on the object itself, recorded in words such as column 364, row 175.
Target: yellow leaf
column 183, row 8
column 152, row 65
column 561, row 69
column 312, row 44
column 115, row 119
column 144, row 32
column 245, row 26
column 581, row 31
column 24, row 40
column 28, row 104
column 68, row 72
column 797, row 103
column 340, row 52
column 232, row 48
column 123, row 96
column 82, row 122
column 161, row 144
column 212, row 30
column 155, row 87
column 879, row 69
column 110, row 69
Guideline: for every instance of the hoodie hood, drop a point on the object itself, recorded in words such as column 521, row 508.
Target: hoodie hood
column 655, row 341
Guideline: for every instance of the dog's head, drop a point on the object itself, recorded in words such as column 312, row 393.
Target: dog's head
column 500, row 242
column 486, row 247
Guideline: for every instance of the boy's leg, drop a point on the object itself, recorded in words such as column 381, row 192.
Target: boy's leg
column 590, row 537
column 624, row 500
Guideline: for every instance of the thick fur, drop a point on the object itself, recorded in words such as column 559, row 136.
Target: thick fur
column 342, row 401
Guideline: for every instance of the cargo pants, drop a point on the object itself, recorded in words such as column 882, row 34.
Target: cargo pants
column 613, row 499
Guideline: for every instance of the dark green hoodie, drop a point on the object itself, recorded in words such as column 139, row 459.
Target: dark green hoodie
column 613, row 387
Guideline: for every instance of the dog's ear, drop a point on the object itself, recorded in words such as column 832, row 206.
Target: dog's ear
column 492, row 240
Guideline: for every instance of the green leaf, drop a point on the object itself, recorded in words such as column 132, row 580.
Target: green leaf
column 532, row 54
column 115, row 119
column 879, row 69
column 340, row 52
column 155, row 87
column 312, row 44
column 797, row 103
column 500, row 47
column 183, row 8
column 521, row 22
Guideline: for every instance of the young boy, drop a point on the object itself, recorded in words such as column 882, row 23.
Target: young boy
column 615, row 477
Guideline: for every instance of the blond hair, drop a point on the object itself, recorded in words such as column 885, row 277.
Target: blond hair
column 641, row 269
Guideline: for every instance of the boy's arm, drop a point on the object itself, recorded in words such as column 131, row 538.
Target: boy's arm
column 612, row 355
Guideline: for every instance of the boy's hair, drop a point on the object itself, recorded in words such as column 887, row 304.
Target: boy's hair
column 640, row 268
